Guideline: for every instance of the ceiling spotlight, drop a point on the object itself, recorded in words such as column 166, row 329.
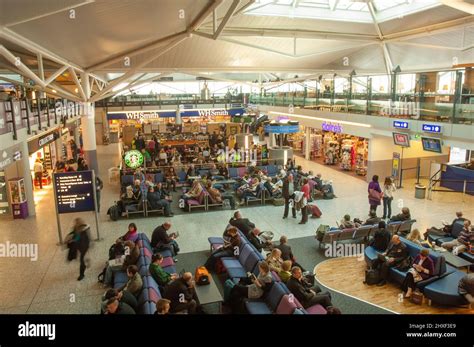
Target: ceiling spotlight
column 76, row 90
column 54, row 91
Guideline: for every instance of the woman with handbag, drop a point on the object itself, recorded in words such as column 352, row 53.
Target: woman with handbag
column 388, row 190
column 422, row 269
column 375, row 194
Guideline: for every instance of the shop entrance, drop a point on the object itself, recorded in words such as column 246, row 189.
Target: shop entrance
column 342, row 152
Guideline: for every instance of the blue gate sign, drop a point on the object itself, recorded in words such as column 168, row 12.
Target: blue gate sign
column 74, row 191
column 431, row 128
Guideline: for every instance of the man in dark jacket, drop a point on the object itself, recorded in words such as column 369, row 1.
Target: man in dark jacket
column 288, row 193
column 79, row 242
column 259, row 244
column 401, row 217
column 157, row 198
column 161, row 240
column 182, row 295
column 243, row 224
column 466, row 288
column 372, row 220
column 447, row 229
column 308, row 296
column 396, row 252
column 381, row 238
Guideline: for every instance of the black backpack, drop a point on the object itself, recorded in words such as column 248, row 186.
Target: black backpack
column 372, row 277
column 113, row 212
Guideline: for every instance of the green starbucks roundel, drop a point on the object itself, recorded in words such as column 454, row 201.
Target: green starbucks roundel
column 133, row 159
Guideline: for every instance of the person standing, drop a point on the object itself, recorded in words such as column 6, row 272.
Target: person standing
column 289, row 194
column 375, row 194
column 99, row 185
column 38, row 170
column 388, row 190
column 305, row 189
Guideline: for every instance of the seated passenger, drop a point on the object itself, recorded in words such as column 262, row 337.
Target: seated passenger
column 381, row 238
column 122, row 296
column 256, row 241
column 466, row 288
column 285, row 272
column 182, row 295
column 130, row 257
column 156, row 271
column 171, row 178
column 306, row 294
column 403, row 216
column 274, row 260
column 415, row 236
column 373, row 219
column 134, row 284
column 346, row 223
column 464, row 242
column 422, row 269
column 252, row 287
column 131, row 234
column 243, row 224
column 396, row 252
column 194, row 192
column 114, row 306
column 230, row 249
column 157, row 199
column 223, row 171
column 446, row 229
column 160, row 239
column 163, row 306
column 214, row 173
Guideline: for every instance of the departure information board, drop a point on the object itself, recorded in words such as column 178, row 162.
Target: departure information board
column 74, row 191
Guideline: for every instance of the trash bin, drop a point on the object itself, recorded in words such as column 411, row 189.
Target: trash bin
column 420, row 192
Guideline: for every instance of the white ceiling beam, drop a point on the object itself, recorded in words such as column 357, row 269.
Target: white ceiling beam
column 459, row 5
column 217, row 78
column 155, row 44
column 243, row 8
column 226, row 19
column 128, row 86
column 22, row 67
column 333, row 4
column 56, row 74
column 39, row 59
column 303, row 34
column 386, row 53
column 86, row 2
column 425, row 45
column 29, row 45
column 132, row 71
column 388, row 59
column 78, row 84
column 432, row 29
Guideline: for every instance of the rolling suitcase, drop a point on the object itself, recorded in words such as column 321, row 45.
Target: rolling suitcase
column 314, row 211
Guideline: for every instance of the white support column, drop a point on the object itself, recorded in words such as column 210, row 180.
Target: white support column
column 307, row 142
column 23, row 167
column 88, row 128
column 39, row 58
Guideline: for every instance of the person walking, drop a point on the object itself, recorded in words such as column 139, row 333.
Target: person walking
column 375, row 194
column 288, row 193
column 388, row 190
column 78, row 240
column 99, row 185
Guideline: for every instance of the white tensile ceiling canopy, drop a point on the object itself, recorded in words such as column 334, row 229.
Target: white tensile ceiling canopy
column 119, row 41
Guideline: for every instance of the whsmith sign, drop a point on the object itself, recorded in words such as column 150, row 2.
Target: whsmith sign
column 156, row 114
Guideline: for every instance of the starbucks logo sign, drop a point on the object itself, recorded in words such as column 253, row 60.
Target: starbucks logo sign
column 133, row 159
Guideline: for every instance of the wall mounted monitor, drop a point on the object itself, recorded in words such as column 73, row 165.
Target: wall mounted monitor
column 401, row 139
column 432, row 145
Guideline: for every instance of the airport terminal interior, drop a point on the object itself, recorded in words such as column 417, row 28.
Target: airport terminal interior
column 304, row 157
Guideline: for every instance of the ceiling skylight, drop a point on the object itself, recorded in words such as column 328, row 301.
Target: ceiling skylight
column 340, row 10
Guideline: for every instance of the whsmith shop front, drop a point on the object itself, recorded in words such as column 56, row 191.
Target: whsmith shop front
column 163, row 121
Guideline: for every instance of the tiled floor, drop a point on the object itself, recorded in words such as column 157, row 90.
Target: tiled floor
column 49, row 284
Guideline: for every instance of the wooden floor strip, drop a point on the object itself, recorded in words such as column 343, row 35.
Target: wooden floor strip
column 346, row 275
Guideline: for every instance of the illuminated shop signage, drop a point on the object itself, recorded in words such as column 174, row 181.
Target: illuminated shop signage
column 213, row 112
column 335, row 128
column 431, row 128
column 401, row 125
column 142, row 115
